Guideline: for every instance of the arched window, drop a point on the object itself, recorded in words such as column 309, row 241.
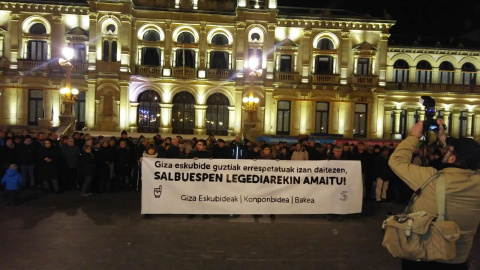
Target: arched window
column 217, row 114
column 469, row 74
column 37, row 49
column 114, row 51
column 151, row 35
column 219, row 59
column 185, row 57
column 185, row 37
column 183, row 113
column 325, row 44
column 38, row 29
column 111, row 29
column 400, row 71
column 220, row 39
column 148, row 111
column 106, row 51
column 424, row 72
column 255, row 37
column 446, row 72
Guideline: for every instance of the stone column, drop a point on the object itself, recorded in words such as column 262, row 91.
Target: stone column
column 412, row 74
column 14, row 39
column 167, row 68
column 166, row 114
column 333, row 118
column 202, row 47
column 124, row 40
column 398, row 114
column 270, row 43
column 470, row 116
column 376, row 125
column 306, row 56
column 410, row 118
column 382, row 59
column 422, row 115
column 387, row 131
column 345, row 50
column 454, row 132
column 200, row 115
column 90, row 106
column 435, row 76
column 347, row 119
column 457, row 76
column 231, row 120
column 476, row 130
column 98, row 106
column 269, row 114
column 124, row 106
column 240, row 42
column 133, row 116
column 446, row 119
column 238, row 110
column 117, row 111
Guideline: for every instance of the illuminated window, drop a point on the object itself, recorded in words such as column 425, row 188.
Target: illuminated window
column 360, row 121
column 400, row 71
column 35, row 106
column 283, row 117
column 446, row 72
column 424, row 72
column 183, row 113
column 469, row 74
column 148, row 111
column 321, row 118
column 217, row 114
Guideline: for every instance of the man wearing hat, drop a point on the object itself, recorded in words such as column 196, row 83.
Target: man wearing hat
column 462, row 189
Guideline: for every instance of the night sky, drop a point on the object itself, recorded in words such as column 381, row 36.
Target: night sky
column 431, row 19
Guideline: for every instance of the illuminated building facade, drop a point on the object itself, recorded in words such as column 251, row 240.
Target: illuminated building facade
column 182, row 67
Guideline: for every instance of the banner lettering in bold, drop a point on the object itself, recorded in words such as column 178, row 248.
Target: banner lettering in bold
column 229, row 186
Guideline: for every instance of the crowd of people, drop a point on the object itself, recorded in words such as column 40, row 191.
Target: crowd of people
column 105, row 164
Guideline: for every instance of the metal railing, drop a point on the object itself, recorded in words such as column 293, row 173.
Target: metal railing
column 433, row 87
column 25, row 64
column 365, row 80
column 219, row 73
column 185, row 72
column 325, row 78
column 149, row 70
column 287, row 76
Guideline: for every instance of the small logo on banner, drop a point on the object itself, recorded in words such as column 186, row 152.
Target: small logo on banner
column 343, row 195
column 157, row 192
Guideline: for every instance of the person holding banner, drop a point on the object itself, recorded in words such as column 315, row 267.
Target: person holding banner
column 238, row 150
column 336, row 155
column 300, row 153
column 201, row 151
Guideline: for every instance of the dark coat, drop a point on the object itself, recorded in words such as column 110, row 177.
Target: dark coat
column 48, row 170
column 27, row 154
column 70, row 155
column 10, row 155
column 381, row 168
column 123, row 161
column 238, row 151
column 221, row 152
column 173, row 151
column 87, row 164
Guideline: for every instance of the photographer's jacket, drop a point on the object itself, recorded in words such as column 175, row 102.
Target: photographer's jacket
column 462, row 189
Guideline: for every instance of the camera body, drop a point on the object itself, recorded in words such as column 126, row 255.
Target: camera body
column 429, row 123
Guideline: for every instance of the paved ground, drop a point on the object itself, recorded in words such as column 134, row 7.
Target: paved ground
column 106, row 231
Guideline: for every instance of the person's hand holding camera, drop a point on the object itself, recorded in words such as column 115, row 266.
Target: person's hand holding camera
column 417, row 130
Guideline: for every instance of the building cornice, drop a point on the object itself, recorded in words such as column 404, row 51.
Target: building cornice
column 433, row 50
column 64, row 8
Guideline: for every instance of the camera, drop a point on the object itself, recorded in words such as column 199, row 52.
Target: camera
column 429, row 123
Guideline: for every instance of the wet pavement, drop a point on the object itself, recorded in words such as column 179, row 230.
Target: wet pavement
column 106, row 231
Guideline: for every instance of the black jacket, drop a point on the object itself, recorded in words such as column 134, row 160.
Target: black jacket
column 87, row 164
column 48, row 170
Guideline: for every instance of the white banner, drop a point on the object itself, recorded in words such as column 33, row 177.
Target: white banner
column 229, row 186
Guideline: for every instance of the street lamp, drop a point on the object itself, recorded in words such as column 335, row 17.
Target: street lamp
column 250, row 103
column 68, row 95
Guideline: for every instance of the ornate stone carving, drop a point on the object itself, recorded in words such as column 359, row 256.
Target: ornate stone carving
column 346, row 34
column 241, row 24
column 57, row 18
column 168, row 25
column 126, row 17
column 307, row 32
column 93, row 15
column 271, row 26
column 203, row 27
column 15, row 16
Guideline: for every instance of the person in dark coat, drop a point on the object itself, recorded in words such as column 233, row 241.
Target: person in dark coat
column 201, row 152
column 220, row 151
column 87, row 166
column 123, row 166
column 105, row 156
column 70, row 153
column 238, row 150
column 365, row 159
column 12, row 181
column 27, row 154
column 382, row 174
column 173, row 150
column 283, row 154
column 10, row 154
column 48, row 160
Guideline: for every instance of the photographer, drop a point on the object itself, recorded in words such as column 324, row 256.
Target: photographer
column 462, row 186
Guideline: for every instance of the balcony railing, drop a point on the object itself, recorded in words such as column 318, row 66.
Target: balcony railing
column 219, row 74
column 365, row 80
column 80, row 66
column 183, row 72
column 325, row 78
column 433, row 87
column 291, row 77
column 149, row 70
column 24, row 64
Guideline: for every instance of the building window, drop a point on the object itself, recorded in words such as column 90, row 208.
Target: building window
column 469, row 74
column 285, row 63
column 79, row 52
column 323, row 64
column 424, row 72
column 35, row 106
column 185, row 57
column 321, row 118
column 217, row 114
column 256, row 52
column 37, row 50
column 400, row 71
column 38, row 29
column 220, row 40
column 283, row 118
column 151, row 56
column 362, row 66
column 183, row 113
column 110, row 50
column 151, row 35
column 79, row 109
column 148, row 111
column 360, row 121
column 325, row 44
column 446, row 72
column 255, row 37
